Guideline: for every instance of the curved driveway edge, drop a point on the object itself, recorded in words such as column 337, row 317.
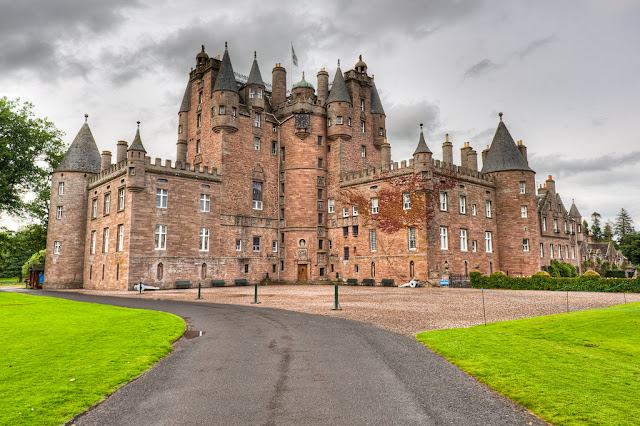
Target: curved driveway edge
column 273, row 367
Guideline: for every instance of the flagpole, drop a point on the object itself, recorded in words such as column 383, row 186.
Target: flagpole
column 291, row 76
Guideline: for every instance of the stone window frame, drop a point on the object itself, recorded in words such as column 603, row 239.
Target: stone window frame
column 257, row 120
column 252, row 92
column 60, row 188
column 474, row 210
column 354, row 230
column 373, row 241
column 162, row 198
column 121, row 198
column 474, row 246
column 238, row 244
column 464, row 234
column 523, row 187
column 362, row 126
column 198, row 146
column 525, row 245
column 120, row 236
column 406, row 201
column 256, row 143
column 345, row 231
column 523, row 211
column 59, row 212
column 257, row 247
column 339, row 119
column 105, row 240
column 380, row 131
column 363, row 151
column 199, row 121
column 488, row 208
column 274, row 246
column 274, row 147
column 541, row 250
column 92, row 243
column 256, row 202
column 205, row 203
column 374, row 205
column 259, row 92
column 234, row 112
column 345, row 212
column 444, row 201
column 462, row 201
column 355, row 211
column 488, row 241
column 331, row 203
column 411, row 238
column 106, row 207
column 161, row 237
column 444, row 238
column 222, row 110
column 94, row 208
column 204, row 239
column 56, row 247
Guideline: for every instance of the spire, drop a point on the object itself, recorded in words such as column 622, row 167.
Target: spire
column 136, row 145
column 504, row 154
column 339, row 92
column 254, row 76
column 83, row 154
column 422, row 144
column 376, row 105
column 226, row 80
column 303, row 83
column 573, row 212
column 186, row 99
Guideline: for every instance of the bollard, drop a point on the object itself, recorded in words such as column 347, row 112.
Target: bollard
column 255, row 296
column 140, row 287
column 199, row 287
column 336, row 305
column 484, row 313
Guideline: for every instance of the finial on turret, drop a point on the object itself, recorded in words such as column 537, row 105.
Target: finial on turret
column 421, row 124
column 86, row 116
column 225, row 45
column 500, row 114
column 255, row 55
column 303, row 75
column 360, row 57
column 203, row 48
column 446, row 137
column 138, row 123
column 338, row 62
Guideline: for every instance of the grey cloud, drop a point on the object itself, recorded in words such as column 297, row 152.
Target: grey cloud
column 598, row 122
column 483, row 67
column 588, row 167
column 536, row 45
column 403, row 126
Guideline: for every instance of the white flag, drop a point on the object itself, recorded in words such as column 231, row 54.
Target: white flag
column 294, row 58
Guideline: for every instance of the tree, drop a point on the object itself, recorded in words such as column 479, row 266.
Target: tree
column 16, row 248
column 585, row 227
column 595, row 226
column 623, row 225
column 30, row 149
column 607, row 233
column 630, row 247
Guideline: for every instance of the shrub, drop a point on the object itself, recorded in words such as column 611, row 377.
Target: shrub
column 35, row 259
column 541, row 273
column 591, row 274
column 615, row 274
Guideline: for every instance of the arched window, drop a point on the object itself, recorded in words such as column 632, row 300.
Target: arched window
column 90, row 271
column 117, row 272
column 411, row 269
column 373, row 269
column 490, row 267
column 204, row 271
column 160, row 272
column 103, row 271
column 466, row 270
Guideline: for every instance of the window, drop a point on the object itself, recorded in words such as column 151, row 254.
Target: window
column 259, row 92
column 246, row 268
column 332, row 205
column 92, row 247
column 412, row 270
column 94, row 208
column 541, row 250
column 346, row 253
column 319, row 163
column 107, row 203
column 121, row 199
column 373, row 244
column 463, row 240
column 339, row 119
column 282, row 153
column 204, row 239
column 374, row 206
column 56, row 247
column 120, row 244
column 179, row 132
column 361, row 104
column 525, row 245
column 238, row 245
column 411, row 237
column 256, row 244
column 349, row 121
column 443, row 201
column 474, row 246
column 555, row 225
column 198, row 146
column 487, row 206
column 522, row 187
column 257, row 196
column 565, row 227
column 319, row 193
column 551, row 251
column 233, row 112
column 523, row 211
column 256, row 144
column 205, row 202
column 444, row 238
column 328, row 122
column 363, row 151
column 473, row 210
column 203, row 271
column 573, row 252
column 221, row 110
column 362, row 126
column 320, row 219
column 345, row 212
column 345, row 231
column 356, row 269
column 330, row 245
column 256, row 119
column 274, row 149
column 59, row 212
column 406, row 201
column 380, row 131
column 61, row 188
column 132, row 171
column 252, row 92
column 319, row 140
column 199, row 120
column 200, row 97
column 544, row 223
column 320, row 244
column 105, row 240
column 354, row 230
column 463, row 204
column 161, row 237
column 161, row 198
column 488, row 243
column 355, row 210
column 579, row 228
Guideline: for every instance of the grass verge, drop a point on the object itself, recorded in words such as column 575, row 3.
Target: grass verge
column 10, row 281
column 570, row 369
column 60, row 357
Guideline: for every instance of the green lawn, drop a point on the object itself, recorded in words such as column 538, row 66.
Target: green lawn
column 58, row 357
column 10, row 281
column 570, row 369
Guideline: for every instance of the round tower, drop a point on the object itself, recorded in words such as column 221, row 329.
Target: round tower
column 225, row 97
column 303, row 89
column 135, row 164
column 379, row 117
column 183, row 127
column 339, row 109
column 64, row 262
column 278, row 85
column 422, row 155
column 323, row 86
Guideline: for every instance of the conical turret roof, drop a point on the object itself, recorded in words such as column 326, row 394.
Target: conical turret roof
column 339, row 92
column 136, row 145
column 254, row 76
column 226, row 80
column 573, row 212
column 83, row 154
column 376, row 105
column 504, row 154
column 422, row 144
column 186, row 99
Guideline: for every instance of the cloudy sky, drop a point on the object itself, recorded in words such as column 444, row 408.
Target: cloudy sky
column 564, row 73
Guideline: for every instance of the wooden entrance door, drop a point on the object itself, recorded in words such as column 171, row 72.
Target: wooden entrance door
column 302, row 272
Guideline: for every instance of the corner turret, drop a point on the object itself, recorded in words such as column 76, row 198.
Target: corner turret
column 303, row 89
column 422, row 155
column 183, row 127
column 254, row 88
column 339, row 109
column 135, row 164
column 225, row 97
column 379, row 117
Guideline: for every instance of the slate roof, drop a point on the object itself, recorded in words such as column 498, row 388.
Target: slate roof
column 136, row 145
column 83, row 154
column 254, row 76
column 226, row 80
column 376, row 105
column 186, row 99
column 504, row 154
column 574, row 211
column 422, row 145
column 339, row 92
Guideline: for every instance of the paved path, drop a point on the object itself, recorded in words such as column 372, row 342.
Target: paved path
column 274, row 367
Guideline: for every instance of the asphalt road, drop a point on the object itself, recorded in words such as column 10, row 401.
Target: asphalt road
column 261, row 366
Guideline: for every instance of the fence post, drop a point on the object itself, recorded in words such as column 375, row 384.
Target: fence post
column 484, row 314
column 255, row 296
column 199, row 287
column 140, row 287
column 336, row 305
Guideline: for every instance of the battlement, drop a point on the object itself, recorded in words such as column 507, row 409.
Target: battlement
column 405, row 167
column 183, row 170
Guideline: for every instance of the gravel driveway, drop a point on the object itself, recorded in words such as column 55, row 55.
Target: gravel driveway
column 403, row 310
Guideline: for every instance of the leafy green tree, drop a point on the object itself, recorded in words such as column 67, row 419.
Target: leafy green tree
column 30, row 149
column 630, row 247
column 17, row 246
column 607, row 232
column 36, row 259
column 595, row 226
column 623, row 225
column 585, row 227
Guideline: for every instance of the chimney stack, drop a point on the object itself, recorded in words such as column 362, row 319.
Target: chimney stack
column 447, row 150
column 106, row 160
column 121, row 153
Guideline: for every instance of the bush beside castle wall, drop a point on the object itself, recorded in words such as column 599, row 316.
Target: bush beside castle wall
column 498, row 280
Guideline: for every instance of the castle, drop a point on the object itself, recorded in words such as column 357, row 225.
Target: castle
column 296, row 186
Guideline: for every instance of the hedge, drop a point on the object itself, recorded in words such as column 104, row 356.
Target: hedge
column 542, row 282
